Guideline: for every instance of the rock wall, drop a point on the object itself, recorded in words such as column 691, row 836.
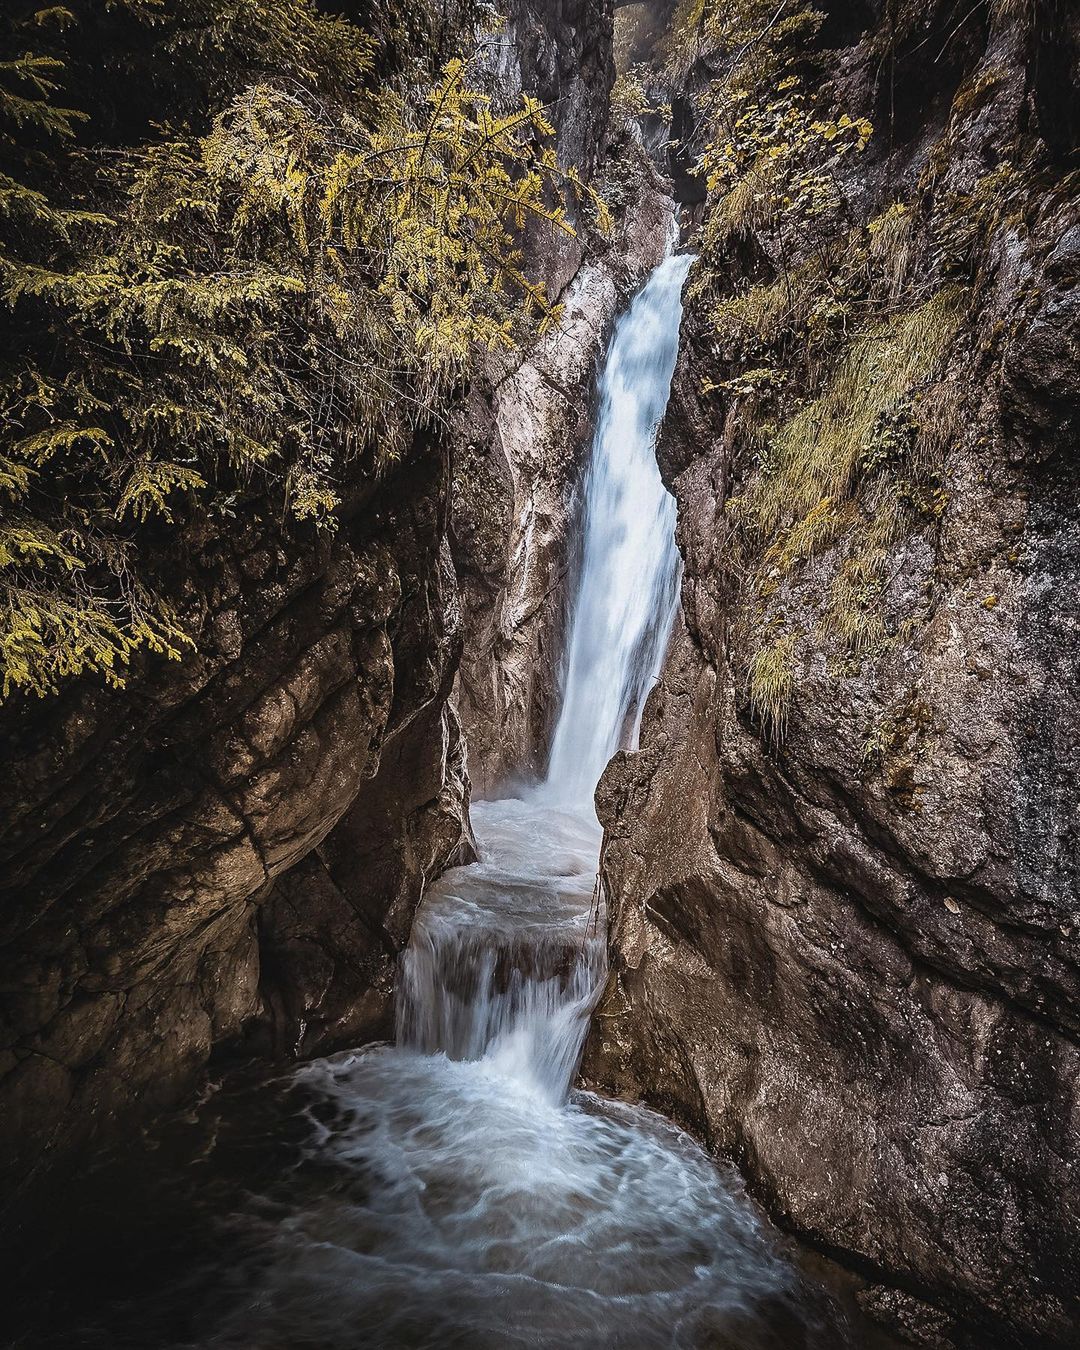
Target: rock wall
column 846, row 950
column 146, row 830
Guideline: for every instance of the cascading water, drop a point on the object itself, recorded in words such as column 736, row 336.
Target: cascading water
column 473, row 1204
column 629, row 582
column 449, row 1190
column 507, row 955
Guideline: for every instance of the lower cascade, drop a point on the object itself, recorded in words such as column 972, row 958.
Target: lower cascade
column 474, row 1202
column 451, row 1189
column 477, row 1202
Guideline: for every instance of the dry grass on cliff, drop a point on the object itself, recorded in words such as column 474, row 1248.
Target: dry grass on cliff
column 843, row 471
column 770, row 681
column 762, row 315
column 815, row 453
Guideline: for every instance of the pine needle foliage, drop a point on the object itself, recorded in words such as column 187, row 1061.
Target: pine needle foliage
column 267, row 296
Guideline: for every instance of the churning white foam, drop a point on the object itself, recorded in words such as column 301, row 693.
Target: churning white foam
column 463, row 1199
column 507, row 954
column 462, row 1208
column 466, row 1200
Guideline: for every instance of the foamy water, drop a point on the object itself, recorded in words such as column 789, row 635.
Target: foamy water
column 465, row 1200
column 507, row 956
column 468, row 1198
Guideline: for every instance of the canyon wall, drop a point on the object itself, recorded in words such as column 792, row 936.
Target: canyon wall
column 227, row 852
column 146, row 829
column 843, row 868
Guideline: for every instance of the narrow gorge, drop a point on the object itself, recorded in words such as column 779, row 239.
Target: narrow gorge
column 540, row 657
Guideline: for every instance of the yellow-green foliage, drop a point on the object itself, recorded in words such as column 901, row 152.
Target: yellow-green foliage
column 968, row 219
column 47, row 637
column 976, row 90
column 684, row 42
column 770, row 682
column 761, row 316
column 773, row 164
column 759, row 313
column 770, row 160
column 890, row 245
column 826, row 360
column 854, row 614
column 746, row 39
column 629, row 98
column 805, row 496
column 288, row 293
column 821, row 525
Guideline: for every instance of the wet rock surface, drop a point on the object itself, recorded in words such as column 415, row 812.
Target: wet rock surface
column 148, row 830
column 848, row 955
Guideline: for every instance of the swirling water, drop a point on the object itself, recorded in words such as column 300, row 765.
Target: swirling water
column 474, row 1203
column 450, row 1190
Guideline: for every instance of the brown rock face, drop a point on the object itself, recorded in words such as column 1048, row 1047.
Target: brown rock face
column 849, row 955
column 143, row 828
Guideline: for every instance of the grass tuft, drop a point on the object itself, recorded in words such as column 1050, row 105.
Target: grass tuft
column 891, row 245
column 815, row 453
column 770, row 681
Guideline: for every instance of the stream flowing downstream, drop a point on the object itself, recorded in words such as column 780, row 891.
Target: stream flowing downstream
column 451, row 1190
column 482, row 1205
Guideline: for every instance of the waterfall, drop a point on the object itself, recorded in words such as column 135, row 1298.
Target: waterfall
column 452, row 1190
column 507, row 955
column 629, row 582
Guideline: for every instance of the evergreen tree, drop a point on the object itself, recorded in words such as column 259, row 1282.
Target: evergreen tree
column 256, row 275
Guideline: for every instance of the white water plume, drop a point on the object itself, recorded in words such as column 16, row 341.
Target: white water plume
column 630, row 568
column 458, row 1208
column 507, row 954
column 464, row 1198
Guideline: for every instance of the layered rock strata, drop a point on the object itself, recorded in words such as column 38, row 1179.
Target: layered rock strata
column 146, row 829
